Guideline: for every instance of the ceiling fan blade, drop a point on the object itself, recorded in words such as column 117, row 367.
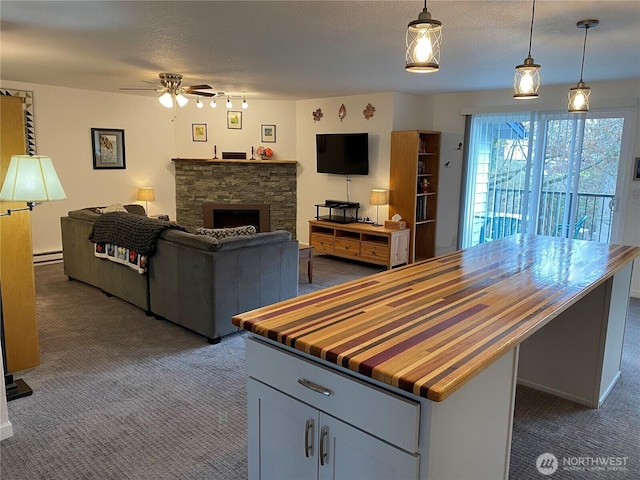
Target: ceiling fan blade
column 152, row 83
column 197, row 87
column 202, row 94
column 149, row 89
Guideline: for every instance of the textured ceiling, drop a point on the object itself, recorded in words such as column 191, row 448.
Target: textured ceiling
column 310, row 49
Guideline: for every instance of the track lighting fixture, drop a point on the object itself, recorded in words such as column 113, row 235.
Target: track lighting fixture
column 229, row 104
column 199, row 104
column 245, row 105
column 527, row 79
column 579, row 95
column 424, row 37
column 213, row 104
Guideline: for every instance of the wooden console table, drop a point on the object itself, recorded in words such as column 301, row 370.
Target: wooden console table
column 412, row 372
column 360, row 241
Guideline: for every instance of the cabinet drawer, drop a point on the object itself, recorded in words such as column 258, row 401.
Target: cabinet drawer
column 347, row 246
column 322, row 243
column 374, row 250
column 377, row 411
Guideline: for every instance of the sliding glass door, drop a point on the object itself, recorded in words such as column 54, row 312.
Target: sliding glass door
column 545, row 173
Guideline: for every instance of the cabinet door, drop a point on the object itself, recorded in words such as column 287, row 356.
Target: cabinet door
column 346, row 453
column 284, row 432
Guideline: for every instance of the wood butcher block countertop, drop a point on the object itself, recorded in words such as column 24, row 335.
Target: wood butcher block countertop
column 429, row 327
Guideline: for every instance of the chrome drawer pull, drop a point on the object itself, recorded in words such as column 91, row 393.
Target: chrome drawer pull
column 314, row 386
column 308, row 433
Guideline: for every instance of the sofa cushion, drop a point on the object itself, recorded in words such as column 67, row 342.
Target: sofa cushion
column 114, row 207
column 221, row 233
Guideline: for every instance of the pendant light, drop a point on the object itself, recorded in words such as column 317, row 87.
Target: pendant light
column 424, row 37
column 527, row 79
column 580, row 94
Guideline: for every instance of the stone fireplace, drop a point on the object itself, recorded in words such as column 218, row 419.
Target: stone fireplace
column 235, row 185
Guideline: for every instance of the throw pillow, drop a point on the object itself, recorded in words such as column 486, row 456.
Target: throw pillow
column 114, row 207
column 221, row 233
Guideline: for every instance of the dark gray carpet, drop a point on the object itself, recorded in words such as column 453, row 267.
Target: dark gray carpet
column 119, row 395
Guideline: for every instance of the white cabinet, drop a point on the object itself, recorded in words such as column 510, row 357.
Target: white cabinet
column 296, row 441
column 308, row 437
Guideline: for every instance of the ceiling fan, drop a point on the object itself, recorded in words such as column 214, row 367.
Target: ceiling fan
column 171, row 88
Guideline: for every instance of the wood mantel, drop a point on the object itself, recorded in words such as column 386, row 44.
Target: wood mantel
column 218, row 160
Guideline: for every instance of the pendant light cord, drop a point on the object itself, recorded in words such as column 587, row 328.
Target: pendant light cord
column 584, row 48
column 533, row 14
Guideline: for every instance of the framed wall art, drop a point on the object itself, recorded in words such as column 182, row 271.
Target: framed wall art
column 234, row 120
column 199, row 132
column 268, row 133
column 108, row 148
column 636, row 169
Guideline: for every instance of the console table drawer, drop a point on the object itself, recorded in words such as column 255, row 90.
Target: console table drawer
column 347, row 246
column 322, row 243
column 375, row 251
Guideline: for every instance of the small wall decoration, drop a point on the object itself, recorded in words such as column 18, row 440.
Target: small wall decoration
column 268, row 133
column 636, row 171
column 29, row 119
column 368, row 111
column 342, row 112
column 234, row 120
column 317, row 115
column 108, row 148
column 199, row 132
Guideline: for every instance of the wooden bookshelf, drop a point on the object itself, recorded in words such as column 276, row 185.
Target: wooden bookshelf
column 413, row 191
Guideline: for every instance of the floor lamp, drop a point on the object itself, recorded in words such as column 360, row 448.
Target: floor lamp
column 30, row 179
column 378, row 197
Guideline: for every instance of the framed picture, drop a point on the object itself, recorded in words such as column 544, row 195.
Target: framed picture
column 636, row 169
column 234, row 120
column 268, row 133
column 108, row 148
column 199, row 132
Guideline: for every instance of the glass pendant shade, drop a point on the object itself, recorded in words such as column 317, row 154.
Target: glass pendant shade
column 579, row 98
column 526, row 82
column 181, row 99
column 424, row 37
column 580, row 94
column 166, row 100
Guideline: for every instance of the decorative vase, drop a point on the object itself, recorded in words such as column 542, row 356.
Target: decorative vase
column 264, row 157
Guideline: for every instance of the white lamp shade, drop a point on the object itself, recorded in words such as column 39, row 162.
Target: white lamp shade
column 31, row 179
column 378, row 197
column 182, row 100
column 166, row 100
column 146, row 194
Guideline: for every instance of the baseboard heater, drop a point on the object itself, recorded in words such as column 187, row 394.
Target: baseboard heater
column 43, row 258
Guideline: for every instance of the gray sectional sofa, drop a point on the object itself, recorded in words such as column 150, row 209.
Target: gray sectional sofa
column 195, row 281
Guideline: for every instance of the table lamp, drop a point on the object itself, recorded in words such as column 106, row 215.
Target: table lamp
column 30, row 179
column 146, row 195
column 378, row 197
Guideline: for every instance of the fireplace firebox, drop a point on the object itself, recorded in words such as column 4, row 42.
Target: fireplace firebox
column 223, row 215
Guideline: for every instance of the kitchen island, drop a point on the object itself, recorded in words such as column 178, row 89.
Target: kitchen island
column 411, row 373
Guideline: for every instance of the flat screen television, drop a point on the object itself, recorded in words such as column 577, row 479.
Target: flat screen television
column 342, row 153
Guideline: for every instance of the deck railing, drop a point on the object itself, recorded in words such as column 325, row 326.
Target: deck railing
column 593, row 215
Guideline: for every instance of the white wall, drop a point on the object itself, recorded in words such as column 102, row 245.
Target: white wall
column 314, row 188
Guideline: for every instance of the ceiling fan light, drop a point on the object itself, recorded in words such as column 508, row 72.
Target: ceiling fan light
column 526, row 82
column 213, row 104
column 579, row 98
column 166, row 100
column 181, row 99
column 229, row 104
column 245, row 105
column 424, row 37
